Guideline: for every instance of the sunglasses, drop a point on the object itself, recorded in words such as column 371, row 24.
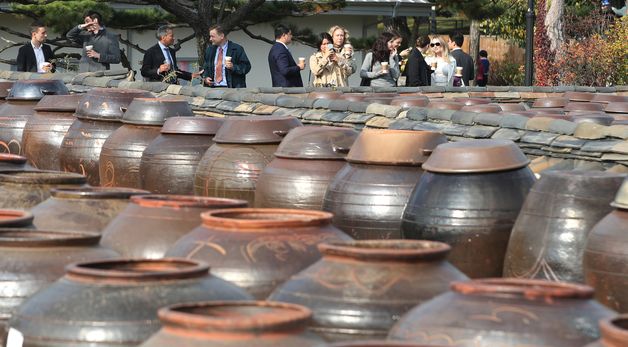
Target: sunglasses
column 434, row 44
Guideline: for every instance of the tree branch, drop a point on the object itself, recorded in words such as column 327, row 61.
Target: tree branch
column 182, row 9
column 240, row 14
column 177, row 45
column 256, row 37
column 15, row 33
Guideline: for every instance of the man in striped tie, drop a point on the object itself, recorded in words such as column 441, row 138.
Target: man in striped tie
column 226, row 63
column 160, row 61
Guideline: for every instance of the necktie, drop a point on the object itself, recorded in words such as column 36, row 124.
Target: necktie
column 218, row 77
column 168, row 57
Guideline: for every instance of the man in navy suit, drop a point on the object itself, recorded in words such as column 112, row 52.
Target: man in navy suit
column 35, row 56
column 283, row 69
column 160, row 61
column 229, row 67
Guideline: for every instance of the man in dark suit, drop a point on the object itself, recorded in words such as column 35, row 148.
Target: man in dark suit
column 101, row 48
column 283, row 69
column 462, row 59
column 417, row 72
column 229, row 67
column 160, row 61
column 36, row 56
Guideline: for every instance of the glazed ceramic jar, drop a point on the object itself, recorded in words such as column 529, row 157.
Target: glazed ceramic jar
column 368, row 195
column 614, row 332
column 469, row 197
column 25, row 189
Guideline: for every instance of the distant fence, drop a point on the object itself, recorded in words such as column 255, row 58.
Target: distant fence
column 498, row 49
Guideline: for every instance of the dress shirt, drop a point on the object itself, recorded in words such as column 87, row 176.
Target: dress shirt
column 222, row 83
column 39, row 55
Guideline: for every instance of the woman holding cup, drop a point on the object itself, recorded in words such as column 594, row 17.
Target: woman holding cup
column 344, row 53
column 381, row 64
column 441, row 62
column 324, row 64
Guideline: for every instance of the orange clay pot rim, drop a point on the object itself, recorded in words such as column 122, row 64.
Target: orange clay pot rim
column 378, row 343
column 386, row 249
column 96, row 193
column 530, row 289
column 12, row 158
column 13, row 216
column 41, row 177
column 113, row 269
column 299, row 218
column 20, row 237
column 183, row 201
column 610, row 330
column 293, row 316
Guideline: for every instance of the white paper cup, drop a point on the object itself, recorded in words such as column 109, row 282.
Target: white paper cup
column 89, row 47
column 384, row 66
column 228, row 59
column 301, row 60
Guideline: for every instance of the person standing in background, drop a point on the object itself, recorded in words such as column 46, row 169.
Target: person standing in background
column 100, row 47
column 226, row 63
column 462, row 59
column 417, row 70
column 441, row 62
column 381, row 65
column 324, row 64
column 344, row 53
column 481, row 79
column 35, row 56
column 284, row 71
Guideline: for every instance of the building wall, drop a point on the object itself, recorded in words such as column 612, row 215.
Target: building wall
column 256, row 50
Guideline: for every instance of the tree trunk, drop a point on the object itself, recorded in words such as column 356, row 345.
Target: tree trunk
column 474, row 39
column 554, row 24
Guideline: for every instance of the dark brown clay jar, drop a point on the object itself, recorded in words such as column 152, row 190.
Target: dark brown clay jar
column 151, row 224
column 35, row 89
column 5, row 86
column 13, row 117
column 243, row 147
column 107, row 104
column 234, row 324
column 305, row 163
column 359, row 289
column 614, row 332
column 82, row 209
column 170, row 161
column 469, row 197
column 368, row 195
column 25, row 189
column 548, row 238
column 32, row 259
column 45, row 129
column 505, row 312
column 13, row 162
column 115, row 302
column 15, row 218
column 258, row 249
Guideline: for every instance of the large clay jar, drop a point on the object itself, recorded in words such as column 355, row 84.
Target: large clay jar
column 15, row 218
column 505, row 313
column 305, row 163
column 33, row 259
column 469, row 197
column 45, row 129
column 5, row 87
column 170, row 161
column 256, row 248
column 122, row 151
column 18, row 108
column 368, row 195
column 234, row 324
column 614, row 332
column 151, row 224
column 243, row 146
column 82, row 209
column 98, row 115
column 14, row 162
column 605, row 258
column 358, row 290
column 548, row 238
column 114, row 302
column 25, row 189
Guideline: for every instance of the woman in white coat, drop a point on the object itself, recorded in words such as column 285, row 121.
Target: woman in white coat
column 443, row 65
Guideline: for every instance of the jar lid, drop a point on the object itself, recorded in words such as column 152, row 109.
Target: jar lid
column 155, row 111
column 476, row 156
column 264, row 218
column 192, row 125
column 107, row 103
column 58, row 103
column 36, row 89
column 96, row 193
column 137, row 270
column 391, row 250
column 317, row 142
column 394, row 147
column 15, row 218
column 255, row 129
column 621, row 199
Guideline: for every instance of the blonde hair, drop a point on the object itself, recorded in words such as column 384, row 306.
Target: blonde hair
column 443, row 45
column 336, row 27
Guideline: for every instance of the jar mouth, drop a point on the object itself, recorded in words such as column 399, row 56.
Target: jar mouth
column 391, row 250
column 15, row 217
column 377, row 343
column 137, row 270
column 41, row 177
column 529, row 289
column 96, row 193
column 12, row 158
column 183, row 201
column 19, row 237
column 615, row 330
column 237, row 316
column 264, row 218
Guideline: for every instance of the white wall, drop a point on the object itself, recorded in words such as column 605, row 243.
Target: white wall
column 256, row 50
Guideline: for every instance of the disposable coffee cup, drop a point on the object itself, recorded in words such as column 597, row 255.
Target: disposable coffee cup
column 347, row 46
column 434, row 65
column 89, row 47
column 228, row 59
column 301, row 60
column 384, row 66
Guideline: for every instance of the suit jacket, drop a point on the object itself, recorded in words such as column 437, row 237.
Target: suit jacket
column 417, row 71
column 236, row 78
column 26, row 60
column 105, row 43
column 464, row 60
column 154, row 57
column 284, row 71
